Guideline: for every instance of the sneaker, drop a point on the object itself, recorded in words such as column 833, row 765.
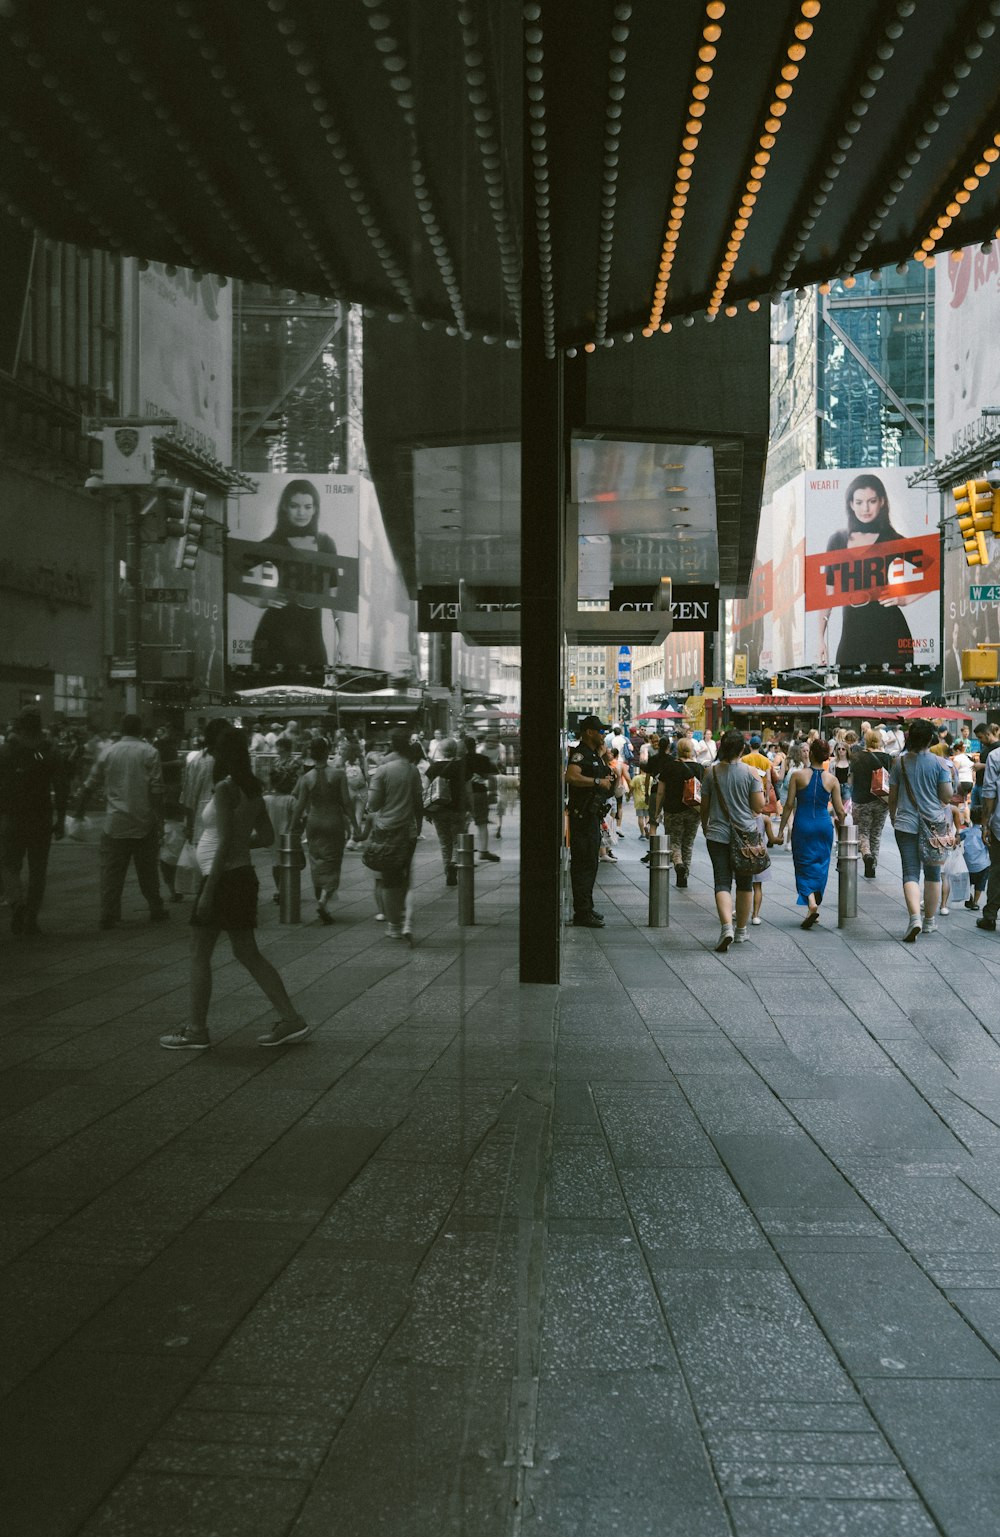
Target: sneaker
column 740, row 937
column 725, row 939
column 285, row 1033
column 943, row 912
column 869, row 867
column 493, row 859
column 588, row 921
column 185, row 1040
column 756, row 922
column 394, row 931
column 989, row 924
column 930, row 925
column 972, row 905
column 912, row 931
column 380, row 917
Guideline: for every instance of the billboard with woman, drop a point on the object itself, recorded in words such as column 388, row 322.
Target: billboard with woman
column 293, row 574
column 873, row 570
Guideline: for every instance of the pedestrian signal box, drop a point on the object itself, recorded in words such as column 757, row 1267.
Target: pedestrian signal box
column 980, row 666
column 977, row 507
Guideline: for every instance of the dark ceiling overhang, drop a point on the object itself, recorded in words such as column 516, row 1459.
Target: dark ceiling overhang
column 371, row 149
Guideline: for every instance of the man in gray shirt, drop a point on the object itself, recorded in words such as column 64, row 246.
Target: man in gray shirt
column 130, row 777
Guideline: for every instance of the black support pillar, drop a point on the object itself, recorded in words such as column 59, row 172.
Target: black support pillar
column 543, row 514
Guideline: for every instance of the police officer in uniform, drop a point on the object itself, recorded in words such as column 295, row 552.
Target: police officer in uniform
column 588, row 782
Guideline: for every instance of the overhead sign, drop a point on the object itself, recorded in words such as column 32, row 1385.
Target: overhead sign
column 438, row 606
column 691, row 607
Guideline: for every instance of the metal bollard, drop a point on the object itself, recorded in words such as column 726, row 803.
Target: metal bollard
column 465, row 854
column 289, row 878
column 659, row 881
column 847, row 873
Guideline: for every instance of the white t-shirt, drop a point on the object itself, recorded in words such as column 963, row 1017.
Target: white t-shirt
column 962, row 764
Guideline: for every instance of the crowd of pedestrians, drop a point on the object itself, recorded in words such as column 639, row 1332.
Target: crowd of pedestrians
column 937, row 790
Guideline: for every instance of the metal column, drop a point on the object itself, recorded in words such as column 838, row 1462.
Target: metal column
column 289, row 878
column 659, row 881
column 465, row 866
column 847, row 873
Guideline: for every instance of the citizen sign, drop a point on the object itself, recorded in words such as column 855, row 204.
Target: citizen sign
column 692, row 608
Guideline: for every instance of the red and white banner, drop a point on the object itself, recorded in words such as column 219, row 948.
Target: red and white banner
column 899, row 569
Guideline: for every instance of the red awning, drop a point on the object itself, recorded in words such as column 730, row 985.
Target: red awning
column 935, row 712
column 660, row 715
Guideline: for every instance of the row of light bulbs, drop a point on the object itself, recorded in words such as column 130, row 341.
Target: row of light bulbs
column 395, row 65
column 490, row 158
column 535, row 55
column 711, row 33
column 609, row 185
column 781, row 95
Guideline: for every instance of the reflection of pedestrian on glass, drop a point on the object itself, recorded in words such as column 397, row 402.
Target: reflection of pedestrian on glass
column 290, row 634
column 874, row 629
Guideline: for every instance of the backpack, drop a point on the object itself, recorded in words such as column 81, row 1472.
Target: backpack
column 691, row 794
column 437, row 794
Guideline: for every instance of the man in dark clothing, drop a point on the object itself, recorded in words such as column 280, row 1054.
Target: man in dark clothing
column 34, row 785
column 588, row 783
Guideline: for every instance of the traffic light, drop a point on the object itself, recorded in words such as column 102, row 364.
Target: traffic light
column 977, row 514
column 572, row 680
column 176, row 503
column 193, row 528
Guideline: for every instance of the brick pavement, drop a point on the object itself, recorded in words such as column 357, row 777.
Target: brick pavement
column 691, row 1245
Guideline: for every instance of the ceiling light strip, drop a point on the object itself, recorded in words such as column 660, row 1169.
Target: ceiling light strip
column 710, row 34
column 338, row 149
column 845, row 142
column 621, row 13
column 484, row 114
column 780, row 97
column 140, row 194
column 534, row 54
column 396, row 67
column 980, row 170
column 15, row 135
column 959, row 70
column 167, row 125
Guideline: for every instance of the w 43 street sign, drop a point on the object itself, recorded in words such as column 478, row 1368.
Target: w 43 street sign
column 985, row 594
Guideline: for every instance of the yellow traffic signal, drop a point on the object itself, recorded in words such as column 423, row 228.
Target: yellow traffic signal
column 572, row 680
column 977, row 507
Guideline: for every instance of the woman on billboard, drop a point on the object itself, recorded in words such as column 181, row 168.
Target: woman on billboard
column 291, row 634
column 874, row 630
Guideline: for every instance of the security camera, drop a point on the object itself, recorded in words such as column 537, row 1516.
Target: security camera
column 94, row 484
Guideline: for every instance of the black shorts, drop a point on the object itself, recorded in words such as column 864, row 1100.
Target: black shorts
column 235, row 904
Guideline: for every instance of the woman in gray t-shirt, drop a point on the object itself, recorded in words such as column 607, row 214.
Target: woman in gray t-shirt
column 919, row 788
column 731, row 797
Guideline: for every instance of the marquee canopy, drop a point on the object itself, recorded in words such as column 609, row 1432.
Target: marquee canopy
column 683, row 157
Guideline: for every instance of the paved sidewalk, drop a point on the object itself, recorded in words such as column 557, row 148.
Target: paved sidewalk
column 691, row 1245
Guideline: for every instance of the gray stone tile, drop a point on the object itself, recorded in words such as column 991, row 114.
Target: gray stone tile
column 600, row 1310
column 743, row 1332
column 947, row 1435
column 768, row 1517
column 585, row 1419
column 149, row 1504
column 886, row 1319
column 652, row 1126
column 676, row 1209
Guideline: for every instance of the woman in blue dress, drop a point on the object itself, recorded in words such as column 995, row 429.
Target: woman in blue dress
column 811, row 791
